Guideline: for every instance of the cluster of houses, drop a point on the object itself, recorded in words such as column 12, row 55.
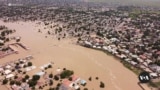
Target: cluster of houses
column 14, row 69
column 74, row 83
column 140, row 61
column 14, row 75
column 131, row 36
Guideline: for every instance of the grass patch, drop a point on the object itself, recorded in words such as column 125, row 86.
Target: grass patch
column 153, row 84
column 137, row 71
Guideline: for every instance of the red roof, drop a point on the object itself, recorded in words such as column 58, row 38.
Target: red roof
column 158, row 52
column 143, row 57
column 40, row 83
column 66, row 82
column 74, row 78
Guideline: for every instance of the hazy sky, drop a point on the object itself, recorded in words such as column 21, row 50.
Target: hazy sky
column 136, row 2
column 126, row 0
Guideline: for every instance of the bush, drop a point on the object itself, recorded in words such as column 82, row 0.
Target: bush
column 40, row 87
column 23, row 80
column 12, row 82
column 66, row 74
column 24, row 72
column 57, row 88
column 19, row 71
column 18, row 83
column 13, row 70
column 24, row 66
column 58, row 85
column 27, row 77
column 32, row 83
column 90, row 78
column 51, row 75
column 85, row 89
column 35, row 77
column 7, row 39
column 46, row 68
column 5, row 81
column 29, row 63
column 102, row 85
column 15, row 77
column 64, row 68
column 70, row 78
column 50, row 82
column 56, row 78
column 17, row 64
column 49, row 66
column 18, row 40
column 97, row 78
column 51, row 88
column 21, row 62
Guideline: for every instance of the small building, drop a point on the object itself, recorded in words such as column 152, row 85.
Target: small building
column 7, row 71
column 83, row 82
column 153, row 75
column 9, row 76
column 40, row 73
column 133, row 63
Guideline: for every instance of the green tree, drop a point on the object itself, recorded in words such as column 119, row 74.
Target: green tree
column 18, row 40
column 97, row 78
column 26, row 76
column 1, row 44
column 51, row 75
column 51, row 88
column 32, row 83
column 35, row 77
column 66, row 74
column 5, row 81
column 102, row 85
column 70, row 78
column 29, row 63
column 23, row 80
column 15, row 77
column 85, row 89
column 49, row 66
column 12, row 82
column 7, row 39
column 90, row 78
column 50, row 82
column 56, row 78
column 18, row 83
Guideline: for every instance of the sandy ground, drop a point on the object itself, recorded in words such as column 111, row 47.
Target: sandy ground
column 85, row 62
